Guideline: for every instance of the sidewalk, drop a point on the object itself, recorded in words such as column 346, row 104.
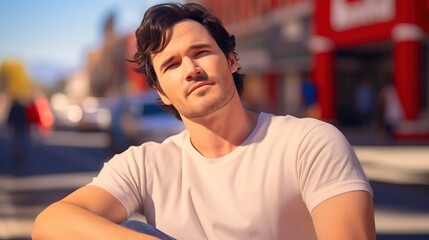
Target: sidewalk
column 55, row 167
column 391, row 161
column 373, row 136
column 395, row 164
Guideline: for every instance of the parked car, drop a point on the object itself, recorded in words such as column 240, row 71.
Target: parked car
column 89, row 114
column 96, row 114
column 139, row 119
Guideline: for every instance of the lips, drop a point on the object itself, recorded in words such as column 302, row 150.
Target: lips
column 196, row 86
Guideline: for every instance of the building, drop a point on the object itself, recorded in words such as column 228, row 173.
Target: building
column 338, row 43
column 272, row 43
column 385, row 40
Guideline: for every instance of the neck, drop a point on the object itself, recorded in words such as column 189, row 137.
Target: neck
column 221, row 132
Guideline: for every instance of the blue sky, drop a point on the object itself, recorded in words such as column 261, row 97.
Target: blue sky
column 60, row 32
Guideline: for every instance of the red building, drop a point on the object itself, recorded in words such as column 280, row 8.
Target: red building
column 386, row 38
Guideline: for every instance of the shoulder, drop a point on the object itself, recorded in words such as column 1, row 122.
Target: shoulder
column 171, row 144
column 151, row 151
column 304, row 133
column 297, row 126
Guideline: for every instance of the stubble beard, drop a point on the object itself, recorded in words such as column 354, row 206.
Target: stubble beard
column 205, row 107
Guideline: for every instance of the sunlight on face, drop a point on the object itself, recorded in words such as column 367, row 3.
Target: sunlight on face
column 194, row 73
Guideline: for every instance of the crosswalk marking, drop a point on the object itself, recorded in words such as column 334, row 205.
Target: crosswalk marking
column 74, row 139
column 399, row 164
column 46, row 182
column 394, row 222
column 12, row 228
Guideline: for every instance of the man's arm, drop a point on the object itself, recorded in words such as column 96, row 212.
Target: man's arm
column 346, row 216
column 88, row 213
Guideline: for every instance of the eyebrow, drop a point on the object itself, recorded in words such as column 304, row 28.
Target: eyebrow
column 200, row 45
column 193, row 47
column 166, row 62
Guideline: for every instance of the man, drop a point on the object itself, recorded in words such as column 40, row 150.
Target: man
column 233, row 174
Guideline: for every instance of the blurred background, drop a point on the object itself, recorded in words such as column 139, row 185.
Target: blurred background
column 69, row 100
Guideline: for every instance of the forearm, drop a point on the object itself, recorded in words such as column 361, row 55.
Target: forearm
column 66, row 221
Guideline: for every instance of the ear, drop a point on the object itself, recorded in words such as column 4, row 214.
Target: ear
column 233, row 64
column 163, row 97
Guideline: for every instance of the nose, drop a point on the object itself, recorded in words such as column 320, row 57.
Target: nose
column 191, row 68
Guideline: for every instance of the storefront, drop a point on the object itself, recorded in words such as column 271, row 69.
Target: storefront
column 272, row 38
column 377, row 40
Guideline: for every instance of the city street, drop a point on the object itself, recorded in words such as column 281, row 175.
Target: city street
column 63, row 161
column 55, row 166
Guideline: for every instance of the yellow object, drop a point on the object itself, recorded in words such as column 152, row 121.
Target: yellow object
column 17, row 82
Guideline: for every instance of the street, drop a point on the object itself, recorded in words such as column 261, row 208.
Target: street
column 55, row 166
column 58, row 164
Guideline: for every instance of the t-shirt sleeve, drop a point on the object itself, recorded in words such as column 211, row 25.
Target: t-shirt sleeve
column 123, row 176
column 328, row 166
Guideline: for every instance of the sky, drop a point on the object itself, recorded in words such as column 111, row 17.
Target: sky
column 61, row 32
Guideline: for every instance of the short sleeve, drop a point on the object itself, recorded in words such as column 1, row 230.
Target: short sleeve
column 327, row 166
column 123, row 176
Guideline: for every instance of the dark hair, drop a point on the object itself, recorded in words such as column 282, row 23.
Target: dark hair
column 152, row 38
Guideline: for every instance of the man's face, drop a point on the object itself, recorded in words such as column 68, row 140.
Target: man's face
column 193, row 72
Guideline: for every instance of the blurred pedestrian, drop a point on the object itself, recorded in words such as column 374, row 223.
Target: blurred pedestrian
column 391, row 109
column 18, row 89
column 19, row 128
column 364, row 101
column 309, row 98
column 40, row 114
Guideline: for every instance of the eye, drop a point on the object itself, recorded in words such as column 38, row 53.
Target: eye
column 201, row 53
column 171, row 66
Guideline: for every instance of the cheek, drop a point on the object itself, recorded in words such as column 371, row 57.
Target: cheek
column 164, row 92
column 215, row 64
column 170, row 85
column 164, row 99
column 166, row 88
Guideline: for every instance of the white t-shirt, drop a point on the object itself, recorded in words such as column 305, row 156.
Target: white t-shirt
column 264, row 189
